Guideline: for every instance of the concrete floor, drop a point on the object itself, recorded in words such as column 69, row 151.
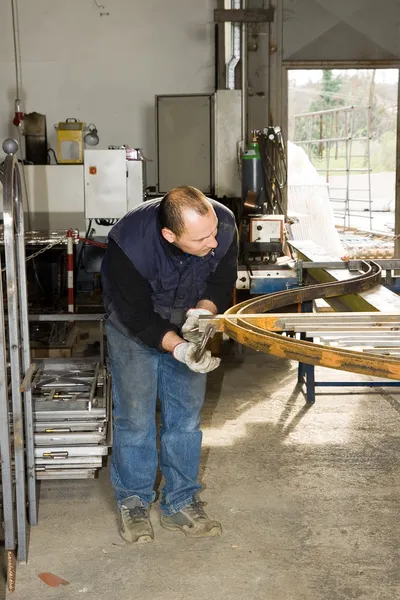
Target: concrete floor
column 308, row 498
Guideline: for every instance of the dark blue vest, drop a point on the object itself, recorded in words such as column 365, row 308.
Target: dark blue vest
column 178, row 281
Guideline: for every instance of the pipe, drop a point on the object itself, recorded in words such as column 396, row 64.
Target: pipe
column 235, row 56
column 244, row 79
column 70, row 251
column 17, row 49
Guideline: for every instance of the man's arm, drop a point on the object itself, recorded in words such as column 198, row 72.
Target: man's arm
column 133, row 304
column 218, row 295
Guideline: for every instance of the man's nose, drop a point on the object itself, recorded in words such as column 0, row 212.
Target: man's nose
column 213, row 242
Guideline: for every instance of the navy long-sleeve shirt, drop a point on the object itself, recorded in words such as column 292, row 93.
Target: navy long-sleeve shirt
column 132, row 297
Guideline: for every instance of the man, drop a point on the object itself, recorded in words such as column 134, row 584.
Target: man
column 167, row 262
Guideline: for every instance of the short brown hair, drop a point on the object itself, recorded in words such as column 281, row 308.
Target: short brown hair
column 176, row 202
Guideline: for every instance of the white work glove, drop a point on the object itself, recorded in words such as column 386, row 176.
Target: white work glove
column 192, row 322
column 185, row 353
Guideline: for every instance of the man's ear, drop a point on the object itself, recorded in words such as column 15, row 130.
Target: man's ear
column 168, row 235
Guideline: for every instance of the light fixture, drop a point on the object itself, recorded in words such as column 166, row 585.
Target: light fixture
column 92, row 136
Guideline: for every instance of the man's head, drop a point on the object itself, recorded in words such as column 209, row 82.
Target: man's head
column 188, row 221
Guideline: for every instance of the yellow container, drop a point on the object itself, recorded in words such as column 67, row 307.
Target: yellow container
column 70, row 142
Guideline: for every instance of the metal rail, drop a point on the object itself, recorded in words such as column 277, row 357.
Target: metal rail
column 5, row 451
column 254, row 336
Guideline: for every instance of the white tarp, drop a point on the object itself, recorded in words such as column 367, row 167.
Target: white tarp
column 308, row 203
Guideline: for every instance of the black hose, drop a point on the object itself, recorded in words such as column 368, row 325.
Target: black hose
column 273, row 160
column 80, row 255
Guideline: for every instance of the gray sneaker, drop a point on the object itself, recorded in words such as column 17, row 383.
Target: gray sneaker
column 134, row 521
column 192, row 521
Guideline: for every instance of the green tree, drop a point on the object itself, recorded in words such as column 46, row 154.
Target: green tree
column 330, row 88
column 327, row 125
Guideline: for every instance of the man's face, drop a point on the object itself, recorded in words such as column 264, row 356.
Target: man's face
column 199, row 237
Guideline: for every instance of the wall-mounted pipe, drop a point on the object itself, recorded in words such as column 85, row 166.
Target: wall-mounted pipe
column 235, row 56
column 244, row 79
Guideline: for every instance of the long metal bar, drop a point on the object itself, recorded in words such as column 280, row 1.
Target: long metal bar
column 356, row 384
column 353, row 332
column 331, row 140
column 327, row 111
column 10, row 191
column 27, row 368
column 67, row 317
column 368, row 155
column 385, row 263
column 5, row 439
column 305, row 321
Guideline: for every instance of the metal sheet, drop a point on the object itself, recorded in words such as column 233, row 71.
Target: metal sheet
column 69, row 425
column 49, row 451
column 227, row 135
column 82, row 461
column 66, row 474
column 58, row 412
column 62, row 439
column 184, row 142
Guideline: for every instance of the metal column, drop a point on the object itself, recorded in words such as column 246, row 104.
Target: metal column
column 27, row 367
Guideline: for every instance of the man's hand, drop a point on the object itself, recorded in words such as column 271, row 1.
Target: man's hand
column 190, row 328
column 185, row 353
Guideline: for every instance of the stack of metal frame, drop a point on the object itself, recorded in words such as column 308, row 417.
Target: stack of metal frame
column 71, row 409
column 71, row 414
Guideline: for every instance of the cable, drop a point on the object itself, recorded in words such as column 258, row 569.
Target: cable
column 106, row 222
column 273, row 160
column 80, row 255
column 51, row 151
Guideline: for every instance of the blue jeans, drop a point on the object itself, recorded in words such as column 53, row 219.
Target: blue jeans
column 140, row 375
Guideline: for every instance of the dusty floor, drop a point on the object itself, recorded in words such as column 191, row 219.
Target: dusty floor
column 308, row 498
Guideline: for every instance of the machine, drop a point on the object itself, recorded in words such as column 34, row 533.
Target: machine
column 86, row 198
column 264, row 254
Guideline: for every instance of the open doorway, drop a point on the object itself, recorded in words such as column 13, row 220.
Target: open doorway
column 345, row 122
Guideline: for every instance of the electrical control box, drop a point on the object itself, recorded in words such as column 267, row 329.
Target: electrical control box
column 267, row 229
column 105, row 184
column 113, row 184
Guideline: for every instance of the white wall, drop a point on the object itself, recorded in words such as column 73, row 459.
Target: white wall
column 106, row 69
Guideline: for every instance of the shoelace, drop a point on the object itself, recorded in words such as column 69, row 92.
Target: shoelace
column 197, row 506
column 135, row 514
